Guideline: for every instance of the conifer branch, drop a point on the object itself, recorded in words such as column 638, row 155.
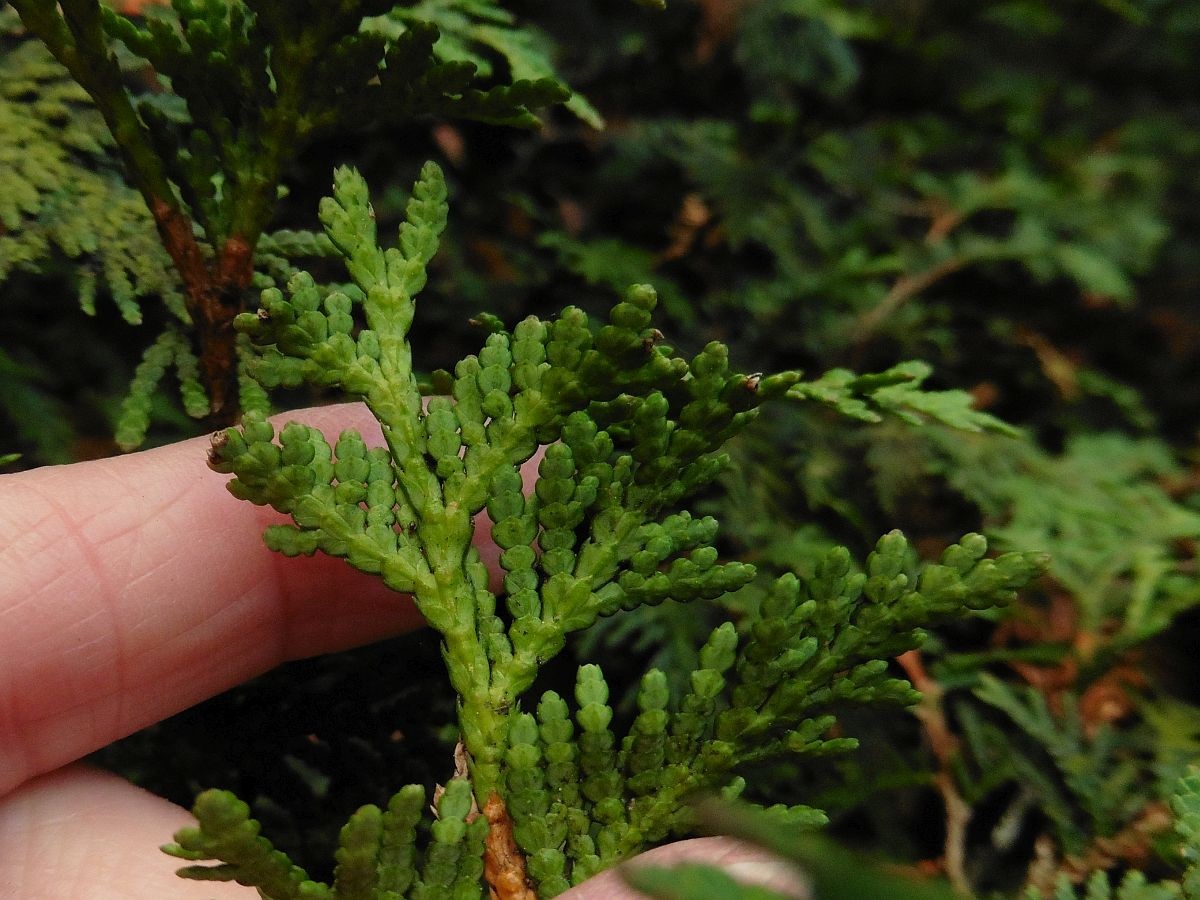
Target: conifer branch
column 630, row 430
column 258, row 81
column 76, row 37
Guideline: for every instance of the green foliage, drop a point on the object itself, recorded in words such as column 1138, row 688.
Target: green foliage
column 1004, row 189
column 898, row 391
column 1087, row 770
column 1185, row 804
column 236, row 90
column 254, row 76
column 171, row 349
column 1118, row 545
column 815, row 645
column 63, row 196
column 860, row 216
column 473, row 31
column 1135, row 885
column 1087, row 789
column 849, row 181
column 381, row 853
column 834, row 873
column 629, row 429
column 1100, row 511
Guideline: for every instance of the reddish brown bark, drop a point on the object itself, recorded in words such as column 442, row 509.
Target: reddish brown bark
column 215, row 294
column 136, row 7
column 503, row 862
column 944, row 745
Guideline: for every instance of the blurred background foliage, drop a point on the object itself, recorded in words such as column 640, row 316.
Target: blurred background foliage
column 1009, row 191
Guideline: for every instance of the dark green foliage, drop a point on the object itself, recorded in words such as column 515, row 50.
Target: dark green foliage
column 258, row 76
column 1137, row 886
column 861, row 214
column 815, row 645
column 1185, row 804
column 475, row 30
column 67, row 211
column 1117, row 543
column 980, row 187
column 236, row 90
column 1088, row 786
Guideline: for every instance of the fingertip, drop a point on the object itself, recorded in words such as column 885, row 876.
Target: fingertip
column 81, row 832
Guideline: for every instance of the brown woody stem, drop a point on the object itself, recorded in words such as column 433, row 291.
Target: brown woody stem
column 942, row 741
column 503, row 862
column 214, row 294
column 214, row 291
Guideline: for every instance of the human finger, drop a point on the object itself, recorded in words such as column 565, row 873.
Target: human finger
column 80, row 832
column 133, row 587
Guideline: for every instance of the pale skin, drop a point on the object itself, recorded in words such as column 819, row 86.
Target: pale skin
column 132, row 588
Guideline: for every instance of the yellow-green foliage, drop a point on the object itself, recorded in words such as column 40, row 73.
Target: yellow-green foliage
column 61, row 194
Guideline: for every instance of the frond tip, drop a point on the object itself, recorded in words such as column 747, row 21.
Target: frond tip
column 227, row 833
column 378, row 854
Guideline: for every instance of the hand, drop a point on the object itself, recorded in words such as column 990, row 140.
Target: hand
column 132, row 588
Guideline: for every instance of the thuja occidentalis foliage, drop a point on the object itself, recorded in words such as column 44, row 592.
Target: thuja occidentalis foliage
column 543, row 793
column 236, row 89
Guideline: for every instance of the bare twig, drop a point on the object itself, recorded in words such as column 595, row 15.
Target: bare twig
column 944, row 744
column 904, row 289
